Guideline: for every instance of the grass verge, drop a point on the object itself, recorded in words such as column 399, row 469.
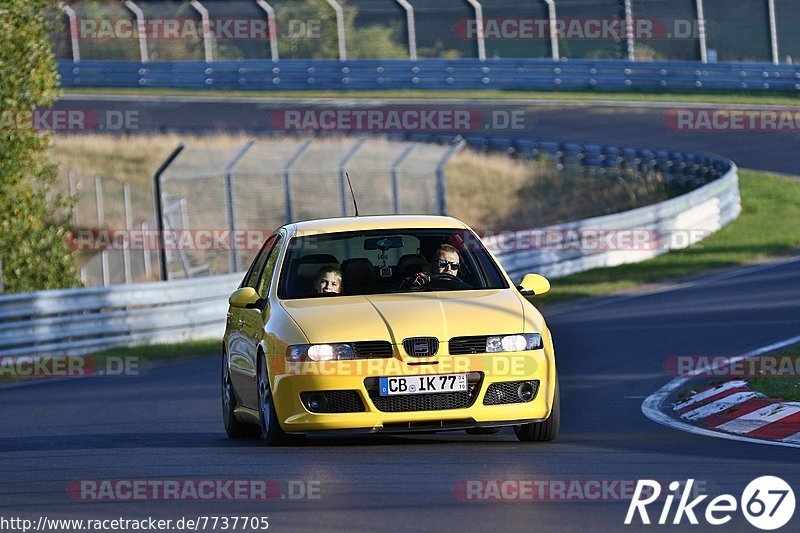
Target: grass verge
column 769, row 226
column 747, row 98
column 786, row 388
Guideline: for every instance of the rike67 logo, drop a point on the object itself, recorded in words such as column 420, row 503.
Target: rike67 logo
column 767, row 503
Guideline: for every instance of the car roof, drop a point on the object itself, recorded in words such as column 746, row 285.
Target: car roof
column 374, row 222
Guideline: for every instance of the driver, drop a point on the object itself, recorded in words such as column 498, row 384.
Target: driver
column 447, row 261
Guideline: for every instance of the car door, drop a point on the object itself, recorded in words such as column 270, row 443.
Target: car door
column 240, row 341
column 253, row 320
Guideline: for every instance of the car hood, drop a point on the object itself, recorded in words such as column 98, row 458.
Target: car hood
column 394, row 317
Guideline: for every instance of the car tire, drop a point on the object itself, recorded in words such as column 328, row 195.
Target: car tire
column 233, row 427
column 271, row 431
column 482, row 431
column 546, row 430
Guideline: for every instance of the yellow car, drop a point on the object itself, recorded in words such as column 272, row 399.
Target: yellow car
column 385, row 324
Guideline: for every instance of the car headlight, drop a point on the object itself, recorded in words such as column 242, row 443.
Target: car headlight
column 513, row 343
column 320, row 352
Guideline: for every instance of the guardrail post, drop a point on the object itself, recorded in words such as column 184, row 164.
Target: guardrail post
column 207, row 36
column 287, row 179
column 272, row 27
column 441, row 184
column 395, row 185
column 159, row 201
column 479, row 22
column 701, row 31
column 73, row 33
column 148, row 270
column 551, row 15
column 141, row 28
column 339, row 28
column 629, row 30
column 773, row 32
column 101, row 221
column 229, row 203
column 343, row 176
column 126, row 251
column 412, row 32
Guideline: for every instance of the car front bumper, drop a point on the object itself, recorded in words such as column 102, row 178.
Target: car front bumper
column 290, row 380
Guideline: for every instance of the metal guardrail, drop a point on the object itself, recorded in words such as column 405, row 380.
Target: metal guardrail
column 78, row 321
column 86, row 320
column 669, row 225
column 377, row 74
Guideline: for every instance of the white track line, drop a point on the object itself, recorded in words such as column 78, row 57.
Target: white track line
column 793, row 439
column 720, row 405
column 760, row 418
column 652, row 406
column 709, row 393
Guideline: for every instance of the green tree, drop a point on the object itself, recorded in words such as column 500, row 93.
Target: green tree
column 33, row 248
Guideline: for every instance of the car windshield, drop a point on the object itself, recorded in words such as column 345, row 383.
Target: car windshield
column 381, row 262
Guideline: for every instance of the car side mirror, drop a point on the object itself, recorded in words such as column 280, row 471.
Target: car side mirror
column 534, row 284
column 246, row 298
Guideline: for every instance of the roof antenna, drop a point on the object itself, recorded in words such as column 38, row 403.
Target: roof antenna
column 355, row 204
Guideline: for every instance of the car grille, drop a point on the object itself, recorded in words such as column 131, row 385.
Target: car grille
column 337, row 401
column 505, row 392
column 468, row 345
column 367, row 349
column 440, row 401
column 421, row 346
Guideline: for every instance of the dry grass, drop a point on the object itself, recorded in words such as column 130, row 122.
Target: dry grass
column 497, row 192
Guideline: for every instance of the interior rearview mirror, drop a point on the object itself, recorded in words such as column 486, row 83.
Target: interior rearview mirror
column 245, row 298
column 534, row 284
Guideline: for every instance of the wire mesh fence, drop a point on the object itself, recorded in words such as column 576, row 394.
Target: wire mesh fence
column 163, row 30
column 238, row 196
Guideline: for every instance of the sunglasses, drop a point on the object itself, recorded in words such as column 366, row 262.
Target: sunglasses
column 443, row 263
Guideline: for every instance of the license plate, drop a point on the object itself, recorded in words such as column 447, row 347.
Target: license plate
column 423, row 384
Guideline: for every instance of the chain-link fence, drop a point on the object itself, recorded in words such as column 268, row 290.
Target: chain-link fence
column 163, row 30
column 219, row 205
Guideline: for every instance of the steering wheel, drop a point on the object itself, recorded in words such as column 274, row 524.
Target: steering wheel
column 443, row 280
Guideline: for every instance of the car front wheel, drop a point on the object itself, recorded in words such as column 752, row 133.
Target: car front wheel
column 271, row 430
column 234, row 428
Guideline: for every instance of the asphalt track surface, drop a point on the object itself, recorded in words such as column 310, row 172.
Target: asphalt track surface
column 611, row 353
column 642, row 125
column 167, row 425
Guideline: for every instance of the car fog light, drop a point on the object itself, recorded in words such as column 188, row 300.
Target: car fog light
column 317, row 402
column 525, row 391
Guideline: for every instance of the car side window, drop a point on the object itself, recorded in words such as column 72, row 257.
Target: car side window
column 269, row 268
column 251, row 279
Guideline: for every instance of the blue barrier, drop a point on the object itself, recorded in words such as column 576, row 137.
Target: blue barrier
column 376, row 74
